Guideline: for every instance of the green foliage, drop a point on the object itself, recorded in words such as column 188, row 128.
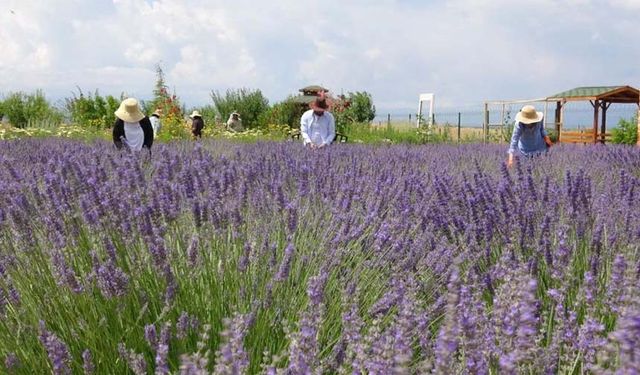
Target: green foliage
column 24, row 109
column 356, row 107
column 168, row 103
column 369, row 134
column 250, row 104
column 210, row 117
column 92, row 110
column 626, row 133
column 173, row 127
column 286, row 112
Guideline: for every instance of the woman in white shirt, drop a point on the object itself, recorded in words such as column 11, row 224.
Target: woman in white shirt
column 155, row 122
column 132, row 128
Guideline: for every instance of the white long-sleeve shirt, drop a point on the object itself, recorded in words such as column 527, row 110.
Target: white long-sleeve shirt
column 155, row 124
column 134, row 135
column 318, row 130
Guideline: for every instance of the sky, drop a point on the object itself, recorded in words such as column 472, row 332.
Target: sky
column 464, row 51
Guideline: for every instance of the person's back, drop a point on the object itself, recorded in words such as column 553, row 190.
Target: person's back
column 155, row 122
column 234, row 123
column 197, row 124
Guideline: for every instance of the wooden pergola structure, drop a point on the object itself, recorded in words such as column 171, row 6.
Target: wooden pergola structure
column 600, row 98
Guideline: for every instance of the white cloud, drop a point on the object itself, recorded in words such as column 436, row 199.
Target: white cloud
column 465, row 51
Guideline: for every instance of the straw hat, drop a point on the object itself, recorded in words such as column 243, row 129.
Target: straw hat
column 129, row 111
column 195, row 114
column 528, row 115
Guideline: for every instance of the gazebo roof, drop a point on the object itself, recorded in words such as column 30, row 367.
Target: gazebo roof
column 304, row 99
column 611, row 94
column 313, row 88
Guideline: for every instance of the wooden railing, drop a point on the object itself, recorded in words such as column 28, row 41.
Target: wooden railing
column 583, row 136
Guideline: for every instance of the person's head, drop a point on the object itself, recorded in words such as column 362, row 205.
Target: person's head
column 195, row 115
column 129, row 111
column 528, row 116
column 235, row 116
column 319, row 105
column 157, row 113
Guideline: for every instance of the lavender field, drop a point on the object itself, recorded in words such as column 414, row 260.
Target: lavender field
column 268, row 258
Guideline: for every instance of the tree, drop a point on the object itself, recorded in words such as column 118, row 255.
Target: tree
column 162, row 99
column 286, row 112
column 250, row 104
column 25, row 109
column 92, row 109
column 355, row 108
column 626, row 132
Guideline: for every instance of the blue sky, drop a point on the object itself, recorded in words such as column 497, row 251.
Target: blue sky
column 464, row 51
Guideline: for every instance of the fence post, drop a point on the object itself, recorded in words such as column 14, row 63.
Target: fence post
column 459, row 124
column 409, row 117
column 485, row 126
column 638, row 141
column 389, row 119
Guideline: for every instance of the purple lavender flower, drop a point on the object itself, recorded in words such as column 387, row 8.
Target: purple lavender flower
column 87, row 362
column 162, row 350
column 151, row 335
column 136, row 361
column 57, row 351
column 285, row 264
column 231, row 357
column 183, row 325
column 243, row 263
column 11, row 362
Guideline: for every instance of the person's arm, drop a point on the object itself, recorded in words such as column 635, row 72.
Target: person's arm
column 118, row 133
column 304, row 129
column 148, row 132
column 513, row 145
column 328, row 138
column 545, row 136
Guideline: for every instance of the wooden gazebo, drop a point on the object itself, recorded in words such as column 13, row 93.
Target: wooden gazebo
column 309, row 94
column 600, row 98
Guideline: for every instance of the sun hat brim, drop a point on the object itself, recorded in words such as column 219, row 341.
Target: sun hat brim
column 527, row 120
column 125, row 116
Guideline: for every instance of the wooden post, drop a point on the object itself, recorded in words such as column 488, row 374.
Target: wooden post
column 596, row 109
column 558, row 119
column 459, row 124
column 485, row 125
column 603, row 126
column 638, row 117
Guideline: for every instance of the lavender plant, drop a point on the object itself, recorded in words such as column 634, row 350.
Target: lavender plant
column 217, row 257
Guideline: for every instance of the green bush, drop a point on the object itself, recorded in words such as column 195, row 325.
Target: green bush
column 626, row 133
column 92, row 110
column 358, row 108
column 250, row 104
column 24, row 109
column 286, row 112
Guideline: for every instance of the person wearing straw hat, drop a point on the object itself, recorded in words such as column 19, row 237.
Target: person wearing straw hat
column 197, row 123
column 317, row 125
column 529, row 137
column 132, row 128
column 234, row 124
column 155, row 121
